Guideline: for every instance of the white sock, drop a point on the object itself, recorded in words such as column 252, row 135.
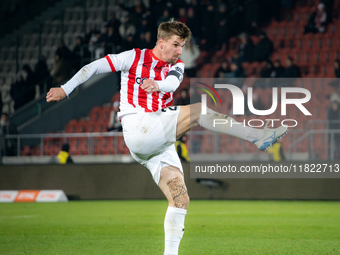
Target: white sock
column 173, row 229
column 224, row 124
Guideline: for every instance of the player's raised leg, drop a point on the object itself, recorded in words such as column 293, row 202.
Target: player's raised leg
column 172, row 185
column 190, row 116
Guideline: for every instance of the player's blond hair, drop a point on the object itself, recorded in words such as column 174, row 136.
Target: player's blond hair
column 172, row 27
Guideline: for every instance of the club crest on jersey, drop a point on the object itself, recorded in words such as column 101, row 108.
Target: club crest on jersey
column 140, row 80
column 165, row 70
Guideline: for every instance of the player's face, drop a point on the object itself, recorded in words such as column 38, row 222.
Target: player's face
column 172, row 49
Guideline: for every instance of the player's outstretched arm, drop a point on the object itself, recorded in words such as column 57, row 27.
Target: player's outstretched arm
column 55, row 95
column 96, row 67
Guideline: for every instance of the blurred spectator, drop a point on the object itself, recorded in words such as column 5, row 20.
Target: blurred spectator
column 138, row 11
column 222, row 70
column 97, row 45
column 142, row 29
column 190, row 54
column 18, row 92
column 278, row 70
column 329, row 8
column 246, row 49
column 333, row 115
column 193, row 23
column 184, row 99
column 127, row 28
column 80, row 53
column 90, row 34
column 63, row 51
column 182, row 149
column 114, row 123
column 42, row 75
column 128, row 43
column 236, row 71
column 156, row 10
column 113, row 41
column 112, row 22
column 29, row 82
column 235, row 17
column 165, row 17
column 221, row 26
column 62, row 70
column 292, row 71
column 318, row 20
column 337, row 68
column 208, row 31
column 23, row 89
column 265, row 73
column 175, row 5
column 252, row 11
column 182, row 15
column 335, row 96
column 147, row 42
column 276, row 151
column 267, row 70
column 236, row 74
column 1, row 103
column 135, row 12
column 150, row 17
column 7, row 127
column 40, row 69
column 196, row 6
column 64, row 156
column 263, row 48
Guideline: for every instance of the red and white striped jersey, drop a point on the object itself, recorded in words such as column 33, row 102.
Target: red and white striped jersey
column 135, row 66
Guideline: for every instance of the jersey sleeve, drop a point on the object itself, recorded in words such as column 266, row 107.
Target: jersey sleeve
column 111, row 63
column 177, row 70
column 122, row 61
column 173, row 78
column 95, row 67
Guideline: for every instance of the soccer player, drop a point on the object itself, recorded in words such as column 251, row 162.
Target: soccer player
column 150, row 126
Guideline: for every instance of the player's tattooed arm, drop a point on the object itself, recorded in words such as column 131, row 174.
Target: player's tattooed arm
column 178, row 192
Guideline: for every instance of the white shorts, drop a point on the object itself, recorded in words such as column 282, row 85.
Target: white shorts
column 150, row 138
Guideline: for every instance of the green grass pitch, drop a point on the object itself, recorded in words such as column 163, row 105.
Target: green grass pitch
column 136, row 227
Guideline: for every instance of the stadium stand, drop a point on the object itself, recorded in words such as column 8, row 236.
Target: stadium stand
column 314, row 55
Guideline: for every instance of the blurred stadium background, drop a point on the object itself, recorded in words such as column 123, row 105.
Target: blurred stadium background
column 33, row 32
column 81, row 31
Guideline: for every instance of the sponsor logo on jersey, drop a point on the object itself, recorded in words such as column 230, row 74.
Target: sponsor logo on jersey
column 140, row 80
column 178, row 69
column 165, row 70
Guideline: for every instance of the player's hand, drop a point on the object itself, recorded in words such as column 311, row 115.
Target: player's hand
column 149, row 86
column 55, row 95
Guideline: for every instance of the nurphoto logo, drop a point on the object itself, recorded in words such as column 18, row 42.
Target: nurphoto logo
column 238, row 104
